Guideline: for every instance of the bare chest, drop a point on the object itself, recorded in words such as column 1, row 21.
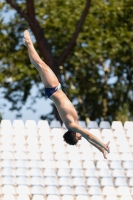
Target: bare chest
column 65, row 108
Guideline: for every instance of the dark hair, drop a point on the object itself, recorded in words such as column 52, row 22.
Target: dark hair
column 69, row 137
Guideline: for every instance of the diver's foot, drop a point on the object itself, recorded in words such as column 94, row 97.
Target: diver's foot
column 27, row 40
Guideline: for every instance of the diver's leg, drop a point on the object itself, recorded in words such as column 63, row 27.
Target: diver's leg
column 47, row 75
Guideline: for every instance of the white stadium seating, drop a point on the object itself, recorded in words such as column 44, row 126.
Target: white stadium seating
column 36, row 164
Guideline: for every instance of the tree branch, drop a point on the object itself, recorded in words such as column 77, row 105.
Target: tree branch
column 76, row 33
column 39, row 35
column 30, row 8
column 20, row 11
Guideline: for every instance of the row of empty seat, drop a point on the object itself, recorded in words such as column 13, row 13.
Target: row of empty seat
column 57, row 124
column 36, row 164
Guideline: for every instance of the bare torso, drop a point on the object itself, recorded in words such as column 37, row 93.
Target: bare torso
column 65, row 108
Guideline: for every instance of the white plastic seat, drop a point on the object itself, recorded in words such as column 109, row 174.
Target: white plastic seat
column 30, row 131
column 79, row 181
column 71, row 149
column 82, row 124
column 128, row 165
column 109, row 190
column 20, row 147
column 104, row 173
column 118, row 173
column 35, row 172
column 82, row 197
column 7, row 172
column 88, row 164
column 63, row 172
column 116, row 125
column 48, row 164
column 22, row 180
column 60, row 156
column 8, row 189
column 30, row 124
column 33, row 148
column 102, row 165
column 20, row 156
column 104, row 125
column 18, row 124
column 50, row 172
column 5, row 123
column 46, row 148
column 127, row 197
column 73, row 156
column 87, row 156
column 8, row 197
column 90, row 173
column 50, row 190
column 55, row 124
column 7, row 163
column 126, row 156
column 96, row 197
column 22, row 189
column 6, row 139
column 21, row 172
column 47, row 156
column 106, row 182
column 93, row 190
column 67, row 197
column 62, row 164
column 92, row 181
column 113, row 157
column 130, row 142
column 77, row 173
column 21, row 164
column 6, row 131
column 92, row 124
column 36, row 181
column 23, row 197
column 115, row 165
column 66, row 190
column 128, row 125
column 110, row 197
column 121, row 141
column 120, row 182
column 51, row 197
column 43, row 124
column 95, row 132
column 99, row 156
column 80, row 190
column 83, row 148
column 124, row 149
column 7, row 156
column 74, row 164
column 130, row 182
column 65, row 181
column 45, row 140
column 108, row 133
column 38, row 197
column 19, row 139
column 32, row 139
column 129, row 173
column 34, row 164
column 122, row 190
column 8, row 180
column 37, row 190
column 6, row 147
column 33, row 156
column 50, row 181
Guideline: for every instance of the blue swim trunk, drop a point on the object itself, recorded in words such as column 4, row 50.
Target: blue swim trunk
column 50, row 91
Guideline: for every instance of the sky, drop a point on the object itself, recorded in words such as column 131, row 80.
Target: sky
column 42, row 106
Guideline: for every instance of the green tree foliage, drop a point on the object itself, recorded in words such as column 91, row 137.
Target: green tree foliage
column 95, row 68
